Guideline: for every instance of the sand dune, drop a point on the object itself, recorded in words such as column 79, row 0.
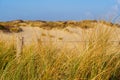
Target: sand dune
column 68, row 35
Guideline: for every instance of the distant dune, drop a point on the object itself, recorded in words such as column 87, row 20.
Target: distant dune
column 57, row 24
column 68, row 32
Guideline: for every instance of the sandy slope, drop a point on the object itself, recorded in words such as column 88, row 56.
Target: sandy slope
column 70, row 36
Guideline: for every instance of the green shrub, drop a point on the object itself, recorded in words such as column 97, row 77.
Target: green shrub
column 15, row 29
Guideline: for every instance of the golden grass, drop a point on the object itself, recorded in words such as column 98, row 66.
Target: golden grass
column 98, row 60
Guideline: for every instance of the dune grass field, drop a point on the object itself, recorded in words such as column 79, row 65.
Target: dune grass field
column 92, row 54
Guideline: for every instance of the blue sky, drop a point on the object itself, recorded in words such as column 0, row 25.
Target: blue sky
column 58, row 9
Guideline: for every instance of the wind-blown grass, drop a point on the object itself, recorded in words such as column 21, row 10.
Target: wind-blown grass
column 99, row 60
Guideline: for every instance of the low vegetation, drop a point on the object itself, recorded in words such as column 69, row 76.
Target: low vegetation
column 9, row 28
column 98, row 59
column 85, row 24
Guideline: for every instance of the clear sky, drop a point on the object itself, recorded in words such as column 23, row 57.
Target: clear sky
column 58, row 9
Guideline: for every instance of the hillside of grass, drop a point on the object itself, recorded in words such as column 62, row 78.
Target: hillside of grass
column 96, row 59
column 85, row 24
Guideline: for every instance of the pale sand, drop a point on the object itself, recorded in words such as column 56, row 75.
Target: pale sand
column 67, row 36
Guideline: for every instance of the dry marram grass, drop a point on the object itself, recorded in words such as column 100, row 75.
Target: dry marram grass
column 98, row 60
